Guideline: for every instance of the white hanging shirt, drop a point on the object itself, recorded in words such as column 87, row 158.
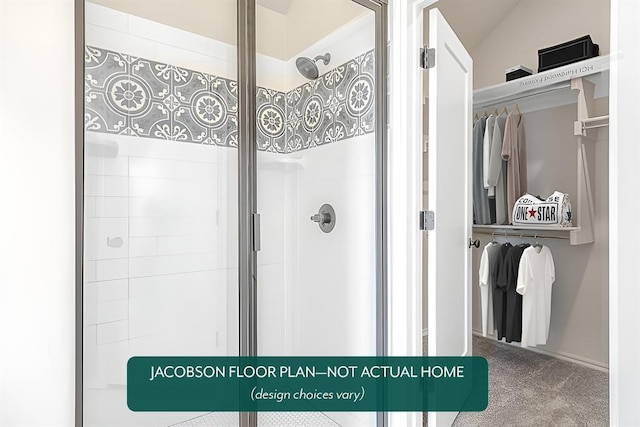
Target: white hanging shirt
column 487, row 277
column 536, row 275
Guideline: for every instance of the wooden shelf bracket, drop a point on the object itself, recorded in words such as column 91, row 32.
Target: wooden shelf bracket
column 584, row 211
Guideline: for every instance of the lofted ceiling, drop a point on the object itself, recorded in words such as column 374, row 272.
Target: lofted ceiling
column 284, row 27
column 280, row 6
column 474, row 20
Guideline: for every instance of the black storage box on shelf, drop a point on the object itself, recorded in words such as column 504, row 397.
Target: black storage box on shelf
column 567, row 53
column 517, row 72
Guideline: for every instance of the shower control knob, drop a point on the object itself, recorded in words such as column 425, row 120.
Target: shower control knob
column 322, row 218
column 326, row 218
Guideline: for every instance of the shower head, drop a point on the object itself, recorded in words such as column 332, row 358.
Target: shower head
column 308, row 67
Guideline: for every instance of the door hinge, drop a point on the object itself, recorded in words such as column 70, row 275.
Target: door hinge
column 256, row 231
column 427, row 57
column 427, row 220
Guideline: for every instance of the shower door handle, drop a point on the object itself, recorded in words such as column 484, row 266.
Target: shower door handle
column 255, row 219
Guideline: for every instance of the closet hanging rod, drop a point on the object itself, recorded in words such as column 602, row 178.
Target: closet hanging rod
column 522, row 235
column 604, row 122
column 513, row 98
column 596, row 119
column 603, row 125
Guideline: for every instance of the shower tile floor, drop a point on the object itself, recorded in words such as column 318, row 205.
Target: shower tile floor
column 265, row 419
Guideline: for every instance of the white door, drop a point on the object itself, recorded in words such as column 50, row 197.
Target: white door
column 449, row 256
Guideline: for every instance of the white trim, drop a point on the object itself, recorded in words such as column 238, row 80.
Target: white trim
column 567, row 357
column 614, row 337
column 405, row 187
column 425, row 332
column 624, row 151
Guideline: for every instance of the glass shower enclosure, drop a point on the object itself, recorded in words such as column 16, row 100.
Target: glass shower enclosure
column 233, row 191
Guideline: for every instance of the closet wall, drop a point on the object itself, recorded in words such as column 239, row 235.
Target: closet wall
column 579, row 307
column 532, row 25
column 580, row 315
column 579, row 319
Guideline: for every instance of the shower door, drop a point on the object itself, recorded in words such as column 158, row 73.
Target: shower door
column 160, row 196
column 318, row 159
column 233, row 191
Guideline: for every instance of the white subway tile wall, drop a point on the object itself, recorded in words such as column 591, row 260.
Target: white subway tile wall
column 89, row 271
column 111, row 207
column 116, row 166
column 111, row 311
column 143, row 246
column 112, row 361
column 157, row 219
column 106, row 238
column 101, row 185
column 109, row 269
column 109, row 332
column 111, row 290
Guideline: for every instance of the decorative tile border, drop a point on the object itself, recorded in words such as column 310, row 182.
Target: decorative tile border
column 139, row 97
column 336, row 106
column 271, row 117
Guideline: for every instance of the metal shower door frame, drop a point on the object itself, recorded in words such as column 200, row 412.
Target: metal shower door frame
column 247, row 186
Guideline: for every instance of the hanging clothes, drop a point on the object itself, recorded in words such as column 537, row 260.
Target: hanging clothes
column 497, row 173
column 480, row 199
column 488, row 263
column 507, row 281
column 499, row 296
column 514, row 299
column 535, row 279
column 514, row 151
column 486, row 151
column 486, row 154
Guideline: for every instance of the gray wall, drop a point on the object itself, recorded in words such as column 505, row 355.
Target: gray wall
column 533, row 25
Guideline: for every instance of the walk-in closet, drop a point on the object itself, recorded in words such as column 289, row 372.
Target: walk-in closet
column 562, row 117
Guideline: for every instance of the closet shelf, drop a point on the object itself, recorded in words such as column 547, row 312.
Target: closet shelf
column 542, row 232
column 579, row 84
column 545, row 90
column 494, row 228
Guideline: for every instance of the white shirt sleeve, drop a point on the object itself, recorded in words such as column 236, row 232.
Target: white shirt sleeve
column 484, row 268
column 485, row 293
column 523, row 274
column 551, row 266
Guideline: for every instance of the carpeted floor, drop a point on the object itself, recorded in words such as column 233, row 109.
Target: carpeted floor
column 531, row 389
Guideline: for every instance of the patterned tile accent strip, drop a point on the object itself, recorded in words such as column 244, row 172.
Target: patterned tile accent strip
column 336, row 106
column 140, row 97
column 271, row 117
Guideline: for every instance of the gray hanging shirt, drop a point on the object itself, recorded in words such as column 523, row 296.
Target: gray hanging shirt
column 514, row 151
column 480, row 198
column 498, row 171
